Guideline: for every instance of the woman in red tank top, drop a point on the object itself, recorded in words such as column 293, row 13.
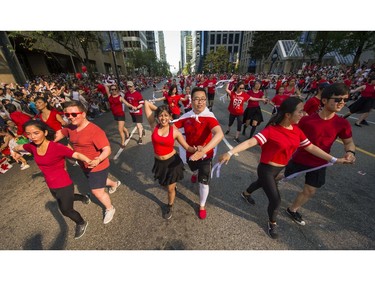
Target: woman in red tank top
column 168, row 167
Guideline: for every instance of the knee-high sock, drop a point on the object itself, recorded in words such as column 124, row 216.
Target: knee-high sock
column 253, row 128
column 203, row 193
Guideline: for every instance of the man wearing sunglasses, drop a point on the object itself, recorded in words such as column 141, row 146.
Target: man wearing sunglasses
column 90, row 140
column 321, row 129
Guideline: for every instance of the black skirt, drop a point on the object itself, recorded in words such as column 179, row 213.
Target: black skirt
column 253, row 113
column 168, row 171
column 362, row 105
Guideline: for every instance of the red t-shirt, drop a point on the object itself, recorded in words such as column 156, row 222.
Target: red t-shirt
column 173, row 104
column 278, row 100
column 89, row 141
column 369, row 91
column 258, row 95
column 278, row 143
column 186, row 103
column 198, row 129
column 19, row 119
column 135, row 99
column 116, row 105
column 237, row 102
column 162, row 145
column 211, row 84
column 312, row 105
column 51, row 121
column 52, row 164
column 322, row 133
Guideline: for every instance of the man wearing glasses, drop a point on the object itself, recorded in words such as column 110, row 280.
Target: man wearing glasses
column 201, row 130
column 321, row 129
column 90, row 140
column 135, row 99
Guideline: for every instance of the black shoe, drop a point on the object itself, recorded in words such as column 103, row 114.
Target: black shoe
column 80, row 230
column 168, row 212
column 272, row 230
column 296, row 217
column 364, row 122
column 357, row 125
column 143, row 133
column 248, row 198
column 140, row 141
column 237, row 140
column 87, row 199
column 227, row 132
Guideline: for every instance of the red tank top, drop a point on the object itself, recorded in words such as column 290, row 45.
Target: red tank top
column 116, row 106
column 162, row 145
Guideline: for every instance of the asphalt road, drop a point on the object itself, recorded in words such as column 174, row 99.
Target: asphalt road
column 339, row 217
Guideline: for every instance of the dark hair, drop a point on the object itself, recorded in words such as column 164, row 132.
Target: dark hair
column 162, row 108
column 10, row 107
column 339, row 89
column 41, row 126
column 173, row 86
column 75, row 103
column 288, row 106
column 198, row 89
column 49, row 107
column 238, row 84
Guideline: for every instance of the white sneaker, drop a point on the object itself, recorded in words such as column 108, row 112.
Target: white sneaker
column 108, row 216
column 113, row 189
column 24, row 167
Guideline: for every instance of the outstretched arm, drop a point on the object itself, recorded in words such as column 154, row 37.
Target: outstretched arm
column 149, row 111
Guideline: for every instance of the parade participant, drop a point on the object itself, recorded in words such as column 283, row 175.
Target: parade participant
column 201, row 129
column 133, row 97
column 211, row 90
column 187, row 102
column 322, row 129
column 50, row 158
column 48, row 115
column 116, row 102
column 237, row 99
column 278, row 99
column 168, row 167
column 365, row 103
column 313, row 104
column 253, row 114
column 278, row 140
column 291, row 89
column 90, row 140
column 19, row 118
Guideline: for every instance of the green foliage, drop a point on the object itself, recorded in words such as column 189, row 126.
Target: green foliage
column 357, row 42
column 217, row 62
column 147, row 59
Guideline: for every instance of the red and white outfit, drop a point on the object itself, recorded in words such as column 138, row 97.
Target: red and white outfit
column 135, row 99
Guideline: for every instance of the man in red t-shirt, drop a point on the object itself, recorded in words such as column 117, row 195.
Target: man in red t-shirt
column 136, row 100
column 210, row 85
column 90, row 140
column 322, row 129
column 201, row 130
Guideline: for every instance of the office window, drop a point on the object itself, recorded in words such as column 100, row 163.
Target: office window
column 212, row 39
column 237, row 38
column 236, row 49
column 218, row 39
column 230, row 38
column 225, row 38
column 230, row 49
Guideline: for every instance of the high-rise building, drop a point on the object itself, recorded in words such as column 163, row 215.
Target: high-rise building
column 185, row 48
column 150, row 36
column 163, row 56
column 247, row 64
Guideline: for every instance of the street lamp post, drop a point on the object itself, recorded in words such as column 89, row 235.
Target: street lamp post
column 273, row 59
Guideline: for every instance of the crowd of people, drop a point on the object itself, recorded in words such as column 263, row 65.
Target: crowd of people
column 35, row 117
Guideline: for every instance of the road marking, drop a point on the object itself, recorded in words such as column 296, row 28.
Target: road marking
column 126, row 142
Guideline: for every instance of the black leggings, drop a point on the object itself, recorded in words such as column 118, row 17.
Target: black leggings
column 266, row 180
column 239, row 121
column 65, row 198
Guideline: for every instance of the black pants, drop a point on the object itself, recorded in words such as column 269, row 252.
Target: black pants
column 239, row 121
column 65, row 198
column 266, row 180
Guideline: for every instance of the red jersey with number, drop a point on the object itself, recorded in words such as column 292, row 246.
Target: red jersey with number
column 89, row 141
column 162, row 145
column 253, row 94
column 116, row 105
column 52, row 163
column 135, row 99
column 237, row 102
column 198, row 129
column 278, row 143
column 322, row 133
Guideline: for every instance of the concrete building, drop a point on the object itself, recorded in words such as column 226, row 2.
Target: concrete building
column 246, row 64
column 163, row 56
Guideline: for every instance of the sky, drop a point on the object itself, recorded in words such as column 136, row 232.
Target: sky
column 172, row 43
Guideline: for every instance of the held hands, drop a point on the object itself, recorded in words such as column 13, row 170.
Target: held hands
column 224, row 158
column 93, row 163
column 345, row 160
column 199, row 153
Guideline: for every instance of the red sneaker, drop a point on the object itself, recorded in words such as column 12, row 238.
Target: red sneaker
column 202, row 214
column 194, row 178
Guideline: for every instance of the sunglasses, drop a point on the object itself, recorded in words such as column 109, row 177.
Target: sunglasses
column 241, row 88
column 339, row 99
column 74, row 114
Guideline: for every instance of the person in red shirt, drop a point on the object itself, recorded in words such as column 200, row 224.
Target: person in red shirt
column 187, row 102
column 116, row 102
column 211, row 90
column 278, row 99
column 135, row 98
column 48, row 115
column 322, row 129
column 237, row 99
column 19, row 118
column 278, row 140
column 201, row 129
column 50, row 158
column 253, row 114
column 90, row 140
column 313, row 104
column 168, row 167
column 173, row 99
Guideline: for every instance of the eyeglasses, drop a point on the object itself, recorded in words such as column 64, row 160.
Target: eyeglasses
column 73, row 114
column 113, row 89
column 198, row 99
column 339, row 99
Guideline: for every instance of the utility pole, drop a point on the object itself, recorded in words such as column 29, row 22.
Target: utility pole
column 114, row 59
column 11, row 58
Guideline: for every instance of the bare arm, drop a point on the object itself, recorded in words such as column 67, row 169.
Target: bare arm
column 358, row 89
column 106, row 151
column 81, row 157
column 314, row 150
column 218, row 135
column 349, row 147
column 224, row 158
column 149, row 111
column 181, row 140
column 61, row 120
